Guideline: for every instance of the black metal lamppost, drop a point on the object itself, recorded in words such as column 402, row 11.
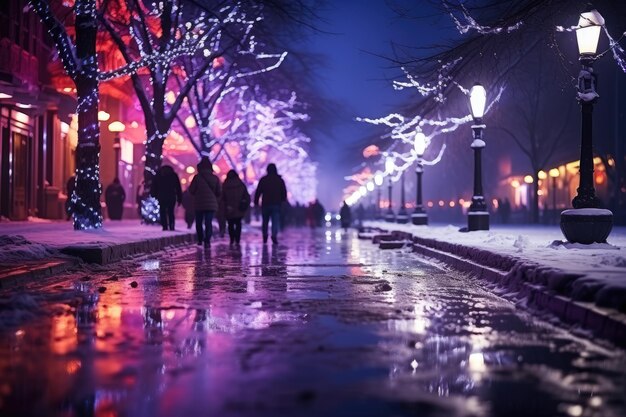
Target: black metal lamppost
column 389, row 166
column 117, row 127
column 419, row 216
column 403, row 216
column 587, row 223
column 554, row 174
column 378, row 181
column 477, row 215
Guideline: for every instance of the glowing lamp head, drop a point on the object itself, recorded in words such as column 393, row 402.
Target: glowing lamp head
column 542, row 175
column 369, row 186
column 478, row 100
column 420, row 144
column 378, row 179
column 103, row 116
column 116, row 127
column 528, row 179
column 554, row 173
column 362, row 191
column 588, row 31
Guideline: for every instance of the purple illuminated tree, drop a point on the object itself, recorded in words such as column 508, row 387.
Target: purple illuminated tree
column 80, row 62
column 162, row 37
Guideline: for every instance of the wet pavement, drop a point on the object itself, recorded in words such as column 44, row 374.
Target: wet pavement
column 321, row 325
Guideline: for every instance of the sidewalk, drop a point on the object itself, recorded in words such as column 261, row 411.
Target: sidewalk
column 27, row 249
column 581, row 284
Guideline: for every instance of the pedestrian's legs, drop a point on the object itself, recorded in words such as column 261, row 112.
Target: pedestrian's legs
column 265, row 212
column 237, row 229
column 199, row 231
column 208, row 231
column 231, row 230
column 275, row 222
column 170, row 215
column 163, row 215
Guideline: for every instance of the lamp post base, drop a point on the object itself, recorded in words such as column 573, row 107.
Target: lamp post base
column 587, row 225
column 402, row 218
column 390, row 217
column 477, row 220
column 419, row 219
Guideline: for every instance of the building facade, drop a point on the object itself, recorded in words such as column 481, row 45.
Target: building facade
column 33, row 119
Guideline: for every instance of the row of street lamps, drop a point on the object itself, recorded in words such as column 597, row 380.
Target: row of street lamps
column 586, row 223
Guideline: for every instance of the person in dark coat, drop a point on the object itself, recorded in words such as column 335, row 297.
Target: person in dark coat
column 114, row 197
column 236, row 202
column 273, row 190
column 206, row 190
column 346, row 215
column 166, row 189
column 190, row 213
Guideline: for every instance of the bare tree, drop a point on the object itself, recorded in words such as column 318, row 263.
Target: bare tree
column 158, row 36
column 79, row 59
column 537, row 127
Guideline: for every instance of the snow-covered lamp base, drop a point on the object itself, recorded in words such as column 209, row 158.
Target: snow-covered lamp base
column 402, row 218
column 477, row 220
column 586, row 225
column 419, row 219
column 390, row 217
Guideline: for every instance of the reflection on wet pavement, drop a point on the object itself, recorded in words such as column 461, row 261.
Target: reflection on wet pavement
column 322, row 324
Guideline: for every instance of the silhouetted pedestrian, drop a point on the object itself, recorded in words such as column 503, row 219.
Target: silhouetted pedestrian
column 114, row 197
column 236, row 202
column 166, row 189
column 319, row 213
column 506, row 211
column 190, row 213
column 346, row 215
column 206, row 190
column 273, row 191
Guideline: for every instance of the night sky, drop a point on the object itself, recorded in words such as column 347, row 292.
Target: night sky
column 356, row 75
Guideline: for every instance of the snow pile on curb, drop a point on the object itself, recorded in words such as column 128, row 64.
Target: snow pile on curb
column 537, row 255
column 16, row 249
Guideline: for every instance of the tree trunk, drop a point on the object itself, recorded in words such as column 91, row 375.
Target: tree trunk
column 86, row 198
column 154, row 151
column 535, row 198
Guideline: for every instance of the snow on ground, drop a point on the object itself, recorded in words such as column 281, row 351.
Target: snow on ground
column 587, row 272
column 21, row 241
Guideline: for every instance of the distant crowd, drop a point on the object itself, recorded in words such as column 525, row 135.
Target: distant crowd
column 229, row 203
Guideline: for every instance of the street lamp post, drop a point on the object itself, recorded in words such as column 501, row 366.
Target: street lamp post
column 586, row 223
column 554, row 174
column 419, row 216
column 477, row 215
column 389, row 168
column 117, row 127
column 403, row 216
column 390, row 216
column 378, row 181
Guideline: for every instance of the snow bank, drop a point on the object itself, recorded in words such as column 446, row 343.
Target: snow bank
column 17, row 249
column 27, row 241
column 537, row 254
